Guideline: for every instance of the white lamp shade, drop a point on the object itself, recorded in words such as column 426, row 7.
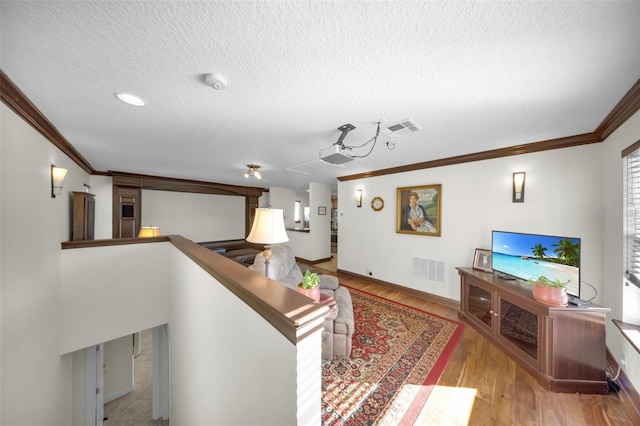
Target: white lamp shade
column 518, row 187
column 268, row 227
column 149, row 231
column 518, row 180
column 58, row 174
column 57, row 179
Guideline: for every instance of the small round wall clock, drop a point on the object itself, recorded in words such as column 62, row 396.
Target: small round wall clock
column 377, row 204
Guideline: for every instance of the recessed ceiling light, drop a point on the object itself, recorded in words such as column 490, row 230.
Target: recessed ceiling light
column 130, row 99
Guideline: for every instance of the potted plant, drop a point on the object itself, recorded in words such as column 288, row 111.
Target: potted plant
column 550, row 292
column 310, row 285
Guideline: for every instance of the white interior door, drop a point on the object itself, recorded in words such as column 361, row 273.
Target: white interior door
column 94, row 385
column 161, row 374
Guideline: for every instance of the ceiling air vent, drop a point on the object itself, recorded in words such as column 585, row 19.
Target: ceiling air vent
column 402, row 126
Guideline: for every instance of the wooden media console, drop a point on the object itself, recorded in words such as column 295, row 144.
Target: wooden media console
column 562, row 347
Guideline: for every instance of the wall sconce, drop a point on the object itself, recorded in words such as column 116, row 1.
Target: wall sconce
column 57, row 178
column 518, row 187
column 149, row 231
column 359, row 197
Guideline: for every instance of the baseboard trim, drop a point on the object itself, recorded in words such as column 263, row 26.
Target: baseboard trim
column 454, row 304
column 629, row 392
column 312, row 262
column 118, row 394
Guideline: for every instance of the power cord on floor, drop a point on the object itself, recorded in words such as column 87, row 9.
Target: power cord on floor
column 611, row 381
column 617, row 375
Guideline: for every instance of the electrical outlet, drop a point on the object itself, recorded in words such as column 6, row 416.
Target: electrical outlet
column 623, row 360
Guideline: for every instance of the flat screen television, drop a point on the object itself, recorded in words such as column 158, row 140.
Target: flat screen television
column 528, row 256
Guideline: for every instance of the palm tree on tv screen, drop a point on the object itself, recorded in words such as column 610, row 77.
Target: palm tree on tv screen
column 538, row 251
column 567, row 251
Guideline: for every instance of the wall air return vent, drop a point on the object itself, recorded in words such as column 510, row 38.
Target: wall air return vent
column 403, row 126
column 429, row 269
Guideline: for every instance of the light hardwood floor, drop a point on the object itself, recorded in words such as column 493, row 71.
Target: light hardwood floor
column 504, row 394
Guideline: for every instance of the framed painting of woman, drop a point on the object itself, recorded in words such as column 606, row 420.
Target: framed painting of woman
column 418, row 210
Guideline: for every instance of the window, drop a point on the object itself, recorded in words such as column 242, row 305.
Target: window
column 631, row 169
column 297, row 211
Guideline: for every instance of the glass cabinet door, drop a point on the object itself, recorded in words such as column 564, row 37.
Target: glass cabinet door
column 520, row 327
column 480, row 303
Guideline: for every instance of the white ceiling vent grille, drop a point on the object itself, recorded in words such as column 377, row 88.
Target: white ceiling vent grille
column 403, row 126
column 429, row 269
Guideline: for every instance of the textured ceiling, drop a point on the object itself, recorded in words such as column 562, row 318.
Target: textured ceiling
column 475, row 75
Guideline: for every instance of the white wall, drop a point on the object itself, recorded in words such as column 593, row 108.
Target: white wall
column 227, row 363
column 129, row 292
column 78, row 387
column 284, row 198
column 320, row 196
column 303, row 197
column 102, row 188
column 621, row 298
column 36, row 381
column 563, row 193
column 573, row 191
column 118, row 367
column 219, row 345
column 198, row 217
column 315, row 244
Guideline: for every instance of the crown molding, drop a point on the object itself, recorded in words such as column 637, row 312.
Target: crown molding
column 565, row 142
column 18, row 103
column 23, row 107
column 631, row 148
column 161, row 183
column 626, row 107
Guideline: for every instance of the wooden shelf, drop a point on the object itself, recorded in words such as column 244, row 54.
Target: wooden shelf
column 631, row 332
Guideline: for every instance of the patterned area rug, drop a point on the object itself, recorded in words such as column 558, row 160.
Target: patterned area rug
column 398, row 355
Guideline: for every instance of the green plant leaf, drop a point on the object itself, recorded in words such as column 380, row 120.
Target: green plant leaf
column 542, row 280
column 310, row 280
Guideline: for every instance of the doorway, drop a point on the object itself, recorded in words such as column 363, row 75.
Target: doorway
column 148, row 398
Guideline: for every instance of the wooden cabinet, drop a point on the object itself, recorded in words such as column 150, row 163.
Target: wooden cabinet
column 84, row 211
column 562, row 347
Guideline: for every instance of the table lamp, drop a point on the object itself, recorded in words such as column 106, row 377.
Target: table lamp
column 149, row 231
column 268, row 228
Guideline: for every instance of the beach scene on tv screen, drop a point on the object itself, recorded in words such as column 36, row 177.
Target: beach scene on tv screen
column 528, row 257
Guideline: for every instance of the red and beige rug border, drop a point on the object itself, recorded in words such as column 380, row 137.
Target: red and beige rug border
column 439, row 366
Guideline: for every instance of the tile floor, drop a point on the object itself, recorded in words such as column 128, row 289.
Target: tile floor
column 134, row 408
column 331, row 265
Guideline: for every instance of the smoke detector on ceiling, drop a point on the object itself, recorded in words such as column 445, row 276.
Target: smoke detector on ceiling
column 216, row 81
column 403, row 126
